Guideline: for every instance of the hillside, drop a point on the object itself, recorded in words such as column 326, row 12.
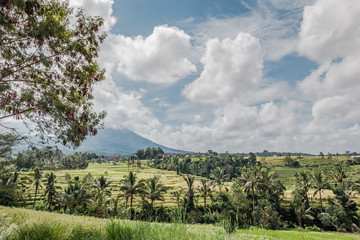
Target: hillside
column 110, row 142
column 29, row 224
column 116, row 141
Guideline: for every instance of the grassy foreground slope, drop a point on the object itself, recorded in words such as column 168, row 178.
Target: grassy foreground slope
column 16, row 223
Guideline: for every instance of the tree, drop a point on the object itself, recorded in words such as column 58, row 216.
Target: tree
column 101, row 195
column 339, row 174
column 154, row 190
column 7, row 141
column 218, row 176
column 320, row 182
column 341, row 212
column 36, row 178
column 300, row 208
column 190, row 193
column 9, row 193
column 205, row 189
column 50, row 189
column 131, row 187
column 75, row 194
column 303, row 183
column 48, row 68
column 251, row 181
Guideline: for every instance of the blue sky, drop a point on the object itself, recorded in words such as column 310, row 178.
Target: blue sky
column 235, row 75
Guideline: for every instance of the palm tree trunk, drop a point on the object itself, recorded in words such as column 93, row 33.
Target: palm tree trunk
column 36, row 189
column 205, row 201
column 151, row 207
column 253, row 196
column 321, row 207
column 131, row 201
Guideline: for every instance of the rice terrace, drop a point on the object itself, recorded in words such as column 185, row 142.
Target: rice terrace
column 149, row 119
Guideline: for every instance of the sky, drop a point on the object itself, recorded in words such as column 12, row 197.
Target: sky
column 234, row 75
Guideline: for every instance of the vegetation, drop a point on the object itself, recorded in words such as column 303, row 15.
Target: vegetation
column 18, row 223
column 48, row 69
column 254, row 197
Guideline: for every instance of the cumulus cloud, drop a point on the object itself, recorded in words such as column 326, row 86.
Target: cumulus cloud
column 238, row 128
column 329, row 30
column 230, row 68
column 160, row 58
column 124, row 109
column 330, row 35
column 102, row 8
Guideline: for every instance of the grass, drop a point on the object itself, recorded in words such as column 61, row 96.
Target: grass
column 28, row 224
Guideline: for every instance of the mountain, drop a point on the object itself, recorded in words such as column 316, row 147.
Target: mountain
column 115, row 141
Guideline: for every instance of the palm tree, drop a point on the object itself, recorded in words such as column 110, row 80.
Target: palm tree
column 36, row 178
column 102, row 183
column 251, row 181
column 302, row 184
column 101, row 195
column 190, row 193
column 153, row 191
column 338, row 173
column 8, row 188
column 320, row 183
column 218, row 175
column 177, row 196
column 205, row 189
column 130, row 187
column 300, row 208
column 50, row 189
column 75, row 195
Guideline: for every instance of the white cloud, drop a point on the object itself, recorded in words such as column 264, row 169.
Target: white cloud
column 230, row 68
column 330, row 30
column 102, row 8
column 124, row 109
column 330, row 35
column 278, row 33
column 160, row 58
column 237, row 128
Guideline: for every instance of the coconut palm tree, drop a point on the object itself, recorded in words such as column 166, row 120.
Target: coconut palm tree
column 103, row 183
column 320, row 182
column 218, row 175
column 36, row 179
column 131, row 187
column 102, row 192
column 8, row 188
column 50, row 189
column 205, row 189
column 154, row 190
column 300, row 208
column 303, row 183
column 75, row 195
column 190, row 193
column 338, row 173
column 251, row 180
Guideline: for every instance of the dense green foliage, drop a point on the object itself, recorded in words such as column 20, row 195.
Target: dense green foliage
column 48, row 68
column 255, row 198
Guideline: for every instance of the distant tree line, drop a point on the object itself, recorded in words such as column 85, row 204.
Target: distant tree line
column 50, row 158
column 230, row 164
column 149, row 153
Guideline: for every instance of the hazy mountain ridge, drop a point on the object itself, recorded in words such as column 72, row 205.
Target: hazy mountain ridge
column 115, row 141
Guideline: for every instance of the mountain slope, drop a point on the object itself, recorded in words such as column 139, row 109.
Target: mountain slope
column 116, row 141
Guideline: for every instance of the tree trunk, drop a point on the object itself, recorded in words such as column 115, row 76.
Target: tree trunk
column 205, row 201
column 36, row 189
column 321, row 207
column 253, row 196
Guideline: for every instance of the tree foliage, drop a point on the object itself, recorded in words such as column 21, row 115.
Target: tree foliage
column 48, row 67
